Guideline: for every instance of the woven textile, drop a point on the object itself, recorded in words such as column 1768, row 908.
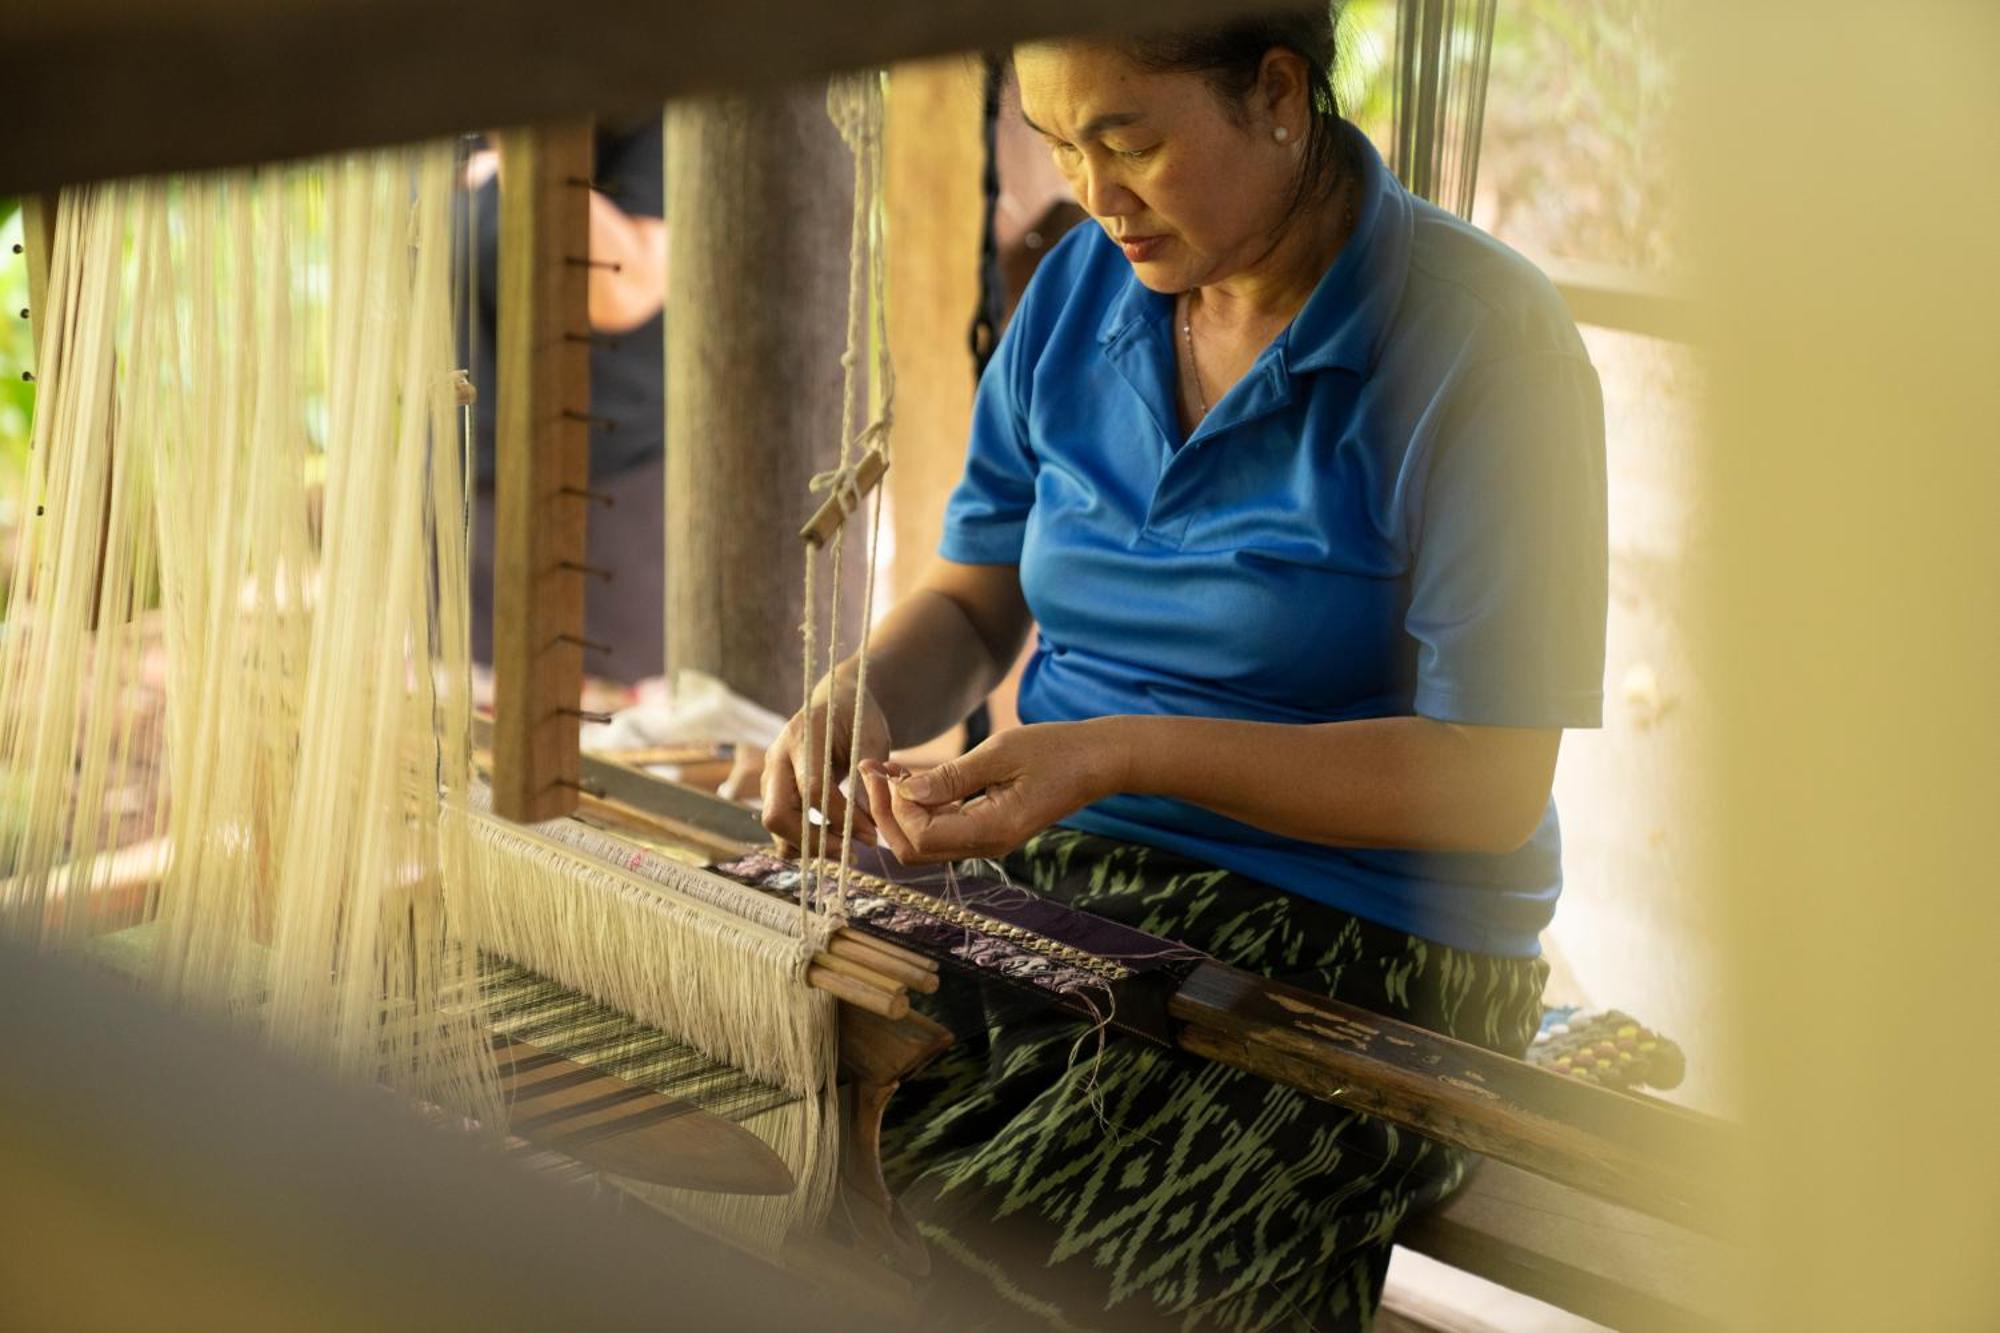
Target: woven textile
column 1152, row 1189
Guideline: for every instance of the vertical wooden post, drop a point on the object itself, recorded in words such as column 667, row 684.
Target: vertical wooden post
column 933, row 157
column 759, row 198
column 542, row 453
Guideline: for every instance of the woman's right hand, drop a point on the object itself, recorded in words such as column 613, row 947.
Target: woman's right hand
column 795, row 762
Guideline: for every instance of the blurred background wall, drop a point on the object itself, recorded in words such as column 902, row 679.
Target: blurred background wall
column 1843, row 160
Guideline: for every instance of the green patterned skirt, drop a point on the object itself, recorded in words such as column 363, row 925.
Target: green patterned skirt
column 1148, row 1188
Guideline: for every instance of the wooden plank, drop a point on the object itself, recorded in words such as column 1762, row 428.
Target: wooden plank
column 542, row 456
column 263, row 80
column 720, row 822
column 612, row 1125
column 712, row 819
column 658, row 829
column 1596, row 1259
column 1628, row 1149
column 1627, row 299
column 876, row 1055
column 933, row 155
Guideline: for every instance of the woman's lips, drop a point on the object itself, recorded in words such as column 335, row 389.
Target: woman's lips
column 1139, row 249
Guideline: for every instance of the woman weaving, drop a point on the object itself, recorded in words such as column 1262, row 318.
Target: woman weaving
column 1301, row 480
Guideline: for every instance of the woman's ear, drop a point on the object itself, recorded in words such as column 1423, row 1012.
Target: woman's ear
column 1282, row 96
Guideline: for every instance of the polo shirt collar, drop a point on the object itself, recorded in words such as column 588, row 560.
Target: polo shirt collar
column 1136, row 303
column 1345, row 320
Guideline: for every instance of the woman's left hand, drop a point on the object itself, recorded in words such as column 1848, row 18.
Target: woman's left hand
column 995, row 797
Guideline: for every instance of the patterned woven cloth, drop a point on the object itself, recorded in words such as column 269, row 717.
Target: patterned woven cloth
column 1069, row 1178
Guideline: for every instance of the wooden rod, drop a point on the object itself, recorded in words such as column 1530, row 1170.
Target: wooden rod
column 706, row 845
column 1644, row 1154
column 867, row 976
column 826, row 520
column 881, row 1003
column 854, row 950
column 665, row 754
column 880, row 945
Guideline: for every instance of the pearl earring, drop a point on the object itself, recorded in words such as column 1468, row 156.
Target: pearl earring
column 1280, row 133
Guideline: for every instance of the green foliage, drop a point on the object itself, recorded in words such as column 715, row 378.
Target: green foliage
column 17, row 396
column 1575, row 159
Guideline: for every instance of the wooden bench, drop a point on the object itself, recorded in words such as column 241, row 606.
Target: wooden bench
column 1604, row 1262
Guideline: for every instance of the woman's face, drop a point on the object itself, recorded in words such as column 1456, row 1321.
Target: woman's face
column 1191, row 192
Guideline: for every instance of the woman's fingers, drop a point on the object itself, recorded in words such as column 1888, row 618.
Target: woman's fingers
column 919, row 833
column 807, row 769
column 746, row 775
column 791, row 782
column 889, row 832
column 945, row 833
column 783, row 813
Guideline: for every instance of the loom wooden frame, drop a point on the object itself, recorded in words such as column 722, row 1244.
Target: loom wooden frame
column 263, row 80
column 542, row 457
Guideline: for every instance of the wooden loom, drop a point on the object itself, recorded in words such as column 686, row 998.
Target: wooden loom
column 1644, row 1158
column 1639, row 1154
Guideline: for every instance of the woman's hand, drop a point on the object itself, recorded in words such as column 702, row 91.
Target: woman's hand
column 794, row 763
column 993, row 798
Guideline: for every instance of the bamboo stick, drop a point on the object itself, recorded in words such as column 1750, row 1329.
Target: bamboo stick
column 855, row 950
column 884, row 1004
column 894, row 950
column 867, row 976
column 826, row 520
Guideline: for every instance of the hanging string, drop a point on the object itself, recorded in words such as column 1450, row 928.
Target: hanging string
column 856, row 105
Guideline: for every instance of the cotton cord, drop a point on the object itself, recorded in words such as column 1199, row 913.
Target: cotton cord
column 213, row 341
column 856, row 105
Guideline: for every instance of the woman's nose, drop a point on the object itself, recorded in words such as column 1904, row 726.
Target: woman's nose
column 1102, row 196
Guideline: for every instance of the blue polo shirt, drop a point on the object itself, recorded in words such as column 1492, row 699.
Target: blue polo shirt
column 1399, row 510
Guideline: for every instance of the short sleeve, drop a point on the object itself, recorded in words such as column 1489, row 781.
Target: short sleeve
column 1508, row 587
column 988, row 514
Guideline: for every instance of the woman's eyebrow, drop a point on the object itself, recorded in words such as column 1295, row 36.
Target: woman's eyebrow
column 1095, row 126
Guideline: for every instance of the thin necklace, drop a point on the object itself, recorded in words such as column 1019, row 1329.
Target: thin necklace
column 1187, row 297
column 1187, row 337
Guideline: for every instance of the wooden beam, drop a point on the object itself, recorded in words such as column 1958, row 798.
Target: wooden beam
column 1626, row 299
column 612, row 1125
column 1595, row 1259
column 542, row 455
column 717, row 825
column 1631, row 1150
column 933, row 155
column 263, row 80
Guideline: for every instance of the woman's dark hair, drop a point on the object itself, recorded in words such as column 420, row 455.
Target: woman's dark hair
column 1230, row 55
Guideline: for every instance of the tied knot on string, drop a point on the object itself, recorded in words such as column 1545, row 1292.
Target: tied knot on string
column 842, row 483
column 855, row 104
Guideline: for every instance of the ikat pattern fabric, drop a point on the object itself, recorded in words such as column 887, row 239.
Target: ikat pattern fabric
column 1071, row 1178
